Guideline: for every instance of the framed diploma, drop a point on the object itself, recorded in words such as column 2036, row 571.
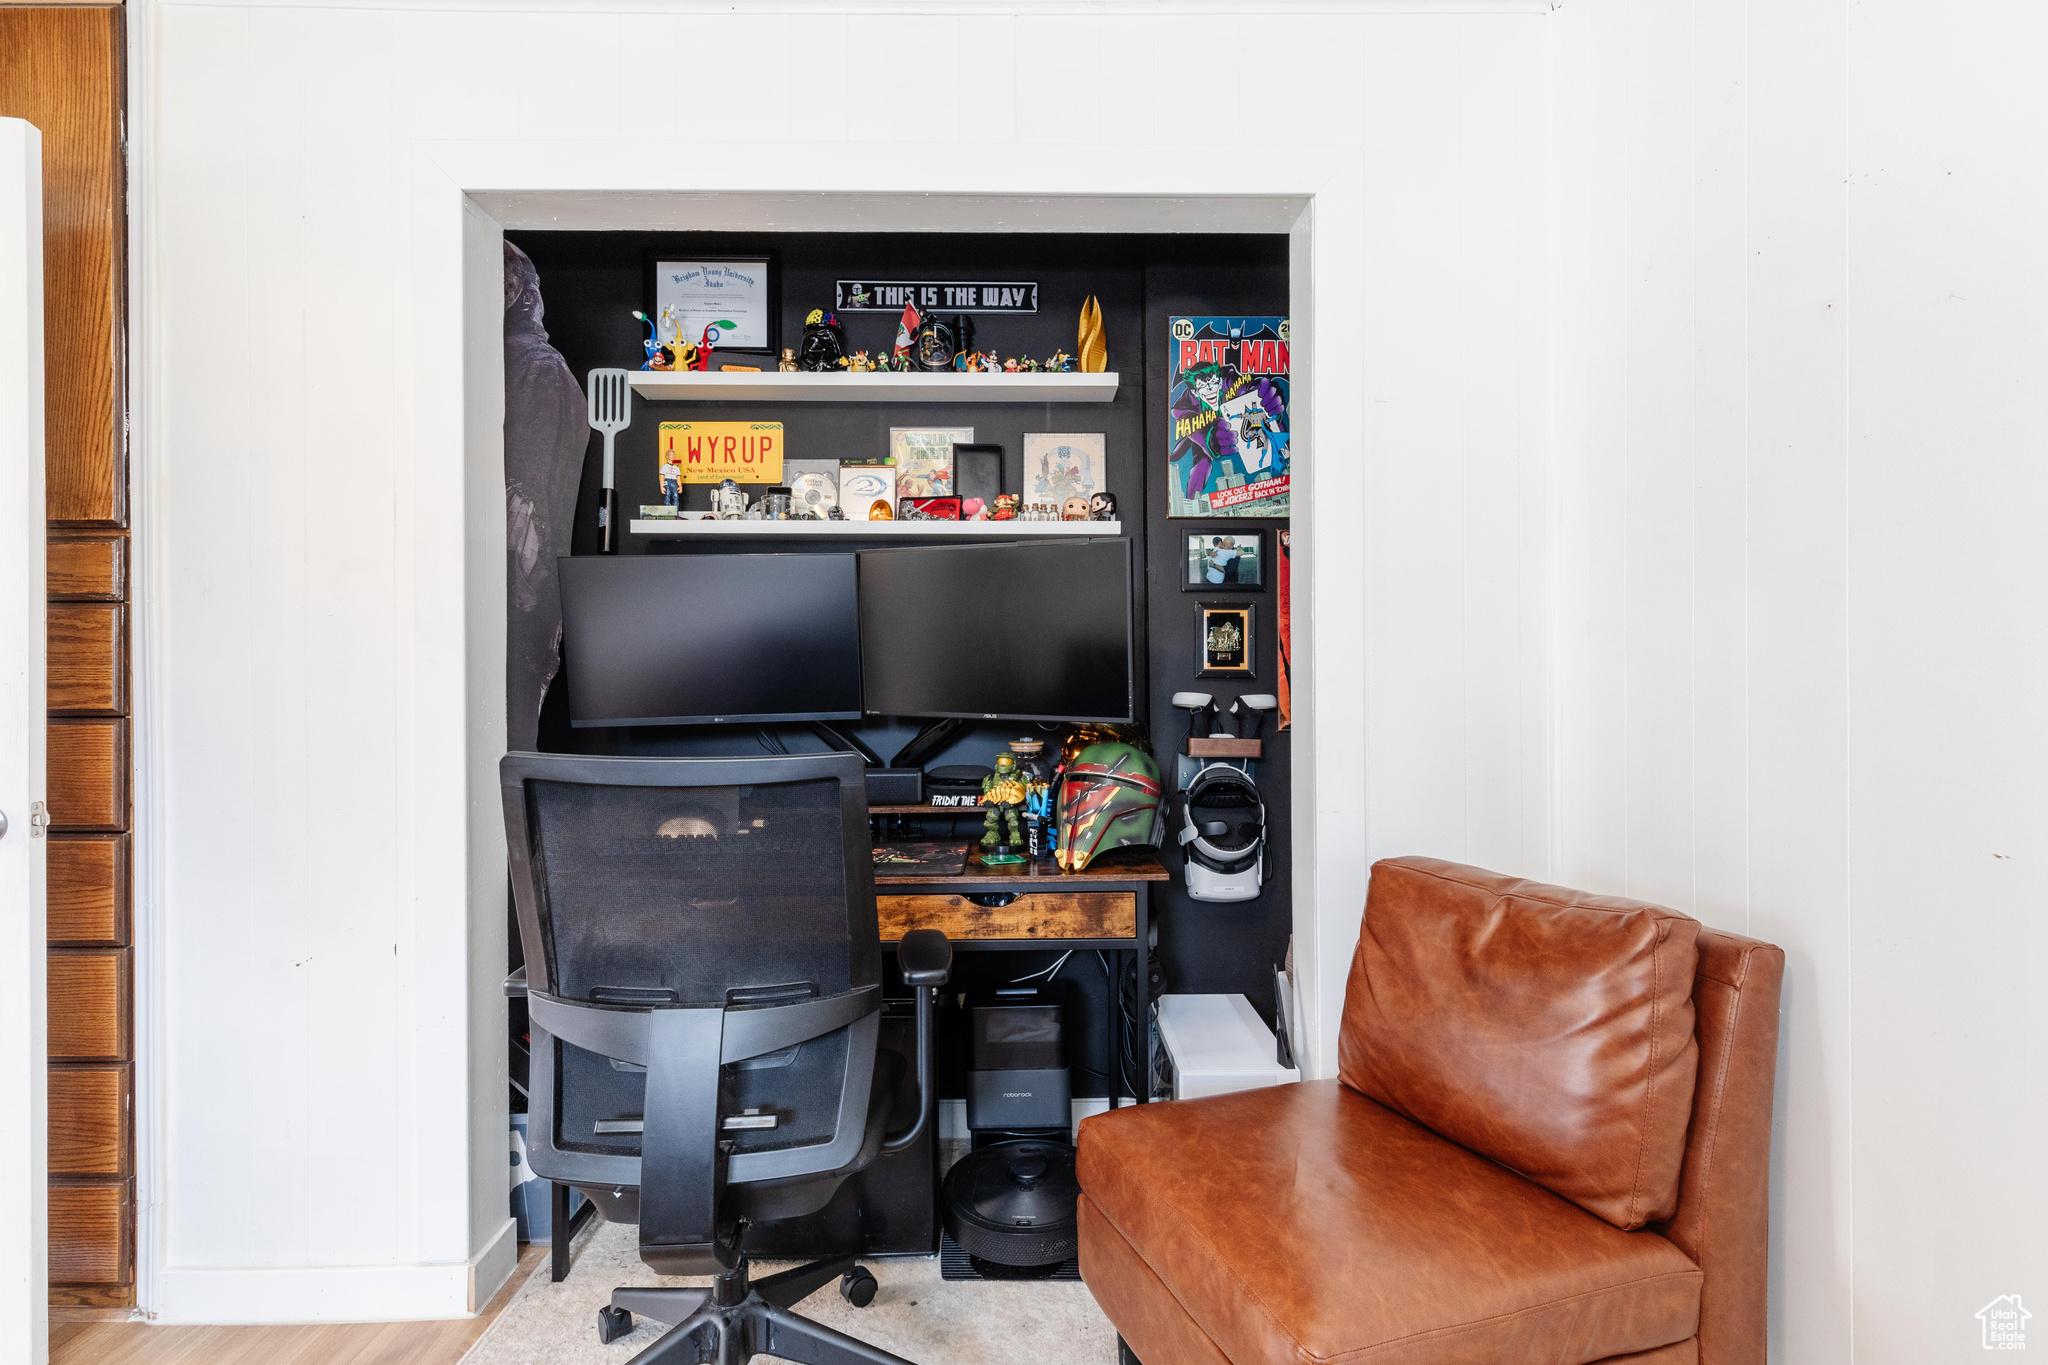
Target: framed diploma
column 690, row 295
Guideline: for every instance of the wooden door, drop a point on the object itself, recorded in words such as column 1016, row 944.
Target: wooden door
column 63, row 70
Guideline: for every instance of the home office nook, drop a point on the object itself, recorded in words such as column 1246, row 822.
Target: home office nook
column 951, row 567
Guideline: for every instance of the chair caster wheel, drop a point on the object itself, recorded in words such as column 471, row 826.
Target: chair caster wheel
column 857, row 1287
column 613, row 1323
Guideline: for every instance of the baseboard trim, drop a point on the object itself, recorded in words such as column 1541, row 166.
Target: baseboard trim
column 233, row 1295
column 493, row 1266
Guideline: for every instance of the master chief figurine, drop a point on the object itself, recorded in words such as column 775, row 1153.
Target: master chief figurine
column 1003, row 792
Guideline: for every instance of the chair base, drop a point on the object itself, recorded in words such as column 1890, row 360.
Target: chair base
column 735, row 1320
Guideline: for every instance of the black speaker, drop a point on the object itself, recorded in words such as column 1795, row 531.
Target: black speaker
column 1152, row 984
column 895, row 786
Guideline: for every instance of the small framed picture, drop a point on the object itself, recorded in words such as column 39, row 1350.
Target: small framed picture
column 1224, row 642
column 1224, row 561
column 737, row 296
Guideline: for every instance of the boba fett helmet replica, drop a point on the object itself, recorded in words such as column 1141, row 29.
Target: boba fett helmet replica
column 1108, row 798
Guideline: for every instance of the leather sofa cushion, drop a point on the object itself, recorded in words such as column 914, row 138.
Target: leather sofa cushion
column 1548, row 1029
column 1305, row 1223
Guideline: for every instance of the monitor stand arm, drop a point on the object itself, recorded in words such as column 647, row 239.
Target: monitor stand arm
column 925, row 747
column 844, row 743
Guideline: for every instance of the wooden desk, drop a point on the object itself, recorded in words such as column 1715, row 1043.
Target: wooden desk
column 1035, row 907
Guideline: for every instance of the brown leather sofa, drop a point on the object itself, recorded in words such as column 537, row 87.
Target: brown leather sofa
column 1549, row 1142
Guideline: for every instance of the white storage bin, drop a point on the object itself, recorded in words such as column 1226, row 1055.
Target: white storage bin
column 1216, row 1044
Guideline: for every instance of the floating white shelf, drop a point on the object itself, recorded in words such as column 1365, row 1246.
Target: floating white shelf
column 876, row 530
column 775, row 386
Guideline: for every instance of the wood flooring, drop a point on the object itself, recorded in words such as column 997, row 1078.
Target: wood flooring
column 96, row 1337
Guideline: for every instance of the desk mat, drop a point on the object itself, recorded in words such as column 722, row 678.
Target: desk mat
column 931, row 858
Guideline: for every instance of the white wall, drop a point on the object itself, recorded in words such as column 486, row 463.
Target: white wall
column 1799, row 412
column 1947, row 497
column 1689, row 489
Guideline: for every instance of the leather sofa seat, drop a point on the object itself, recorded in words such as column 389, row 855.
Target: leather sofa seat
column 1307, row 1223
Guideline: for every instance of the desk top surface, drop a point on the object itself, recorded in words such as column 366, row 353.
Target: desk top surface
column 1119, row 865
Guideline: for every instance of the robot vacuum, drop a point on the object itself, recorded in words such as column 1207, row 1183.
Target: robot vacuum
column 1014, row 1205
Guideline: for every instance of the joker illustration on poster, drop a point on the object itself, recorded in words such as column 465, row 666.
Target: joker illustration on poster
column 1227, row 418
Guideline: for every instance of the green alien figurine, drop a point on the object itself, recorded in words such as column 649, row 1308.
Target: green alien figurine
column 1003, row 792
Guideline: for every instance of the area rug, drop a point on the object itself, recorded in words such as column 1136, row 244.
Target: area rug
column 915, row 1314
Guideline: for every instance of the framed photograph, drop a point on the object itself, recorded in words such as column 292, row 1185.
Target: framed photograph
column 1062, row 464
column 1225, row 646
column 923, row 457
column 690, row 295
column 1224, row 561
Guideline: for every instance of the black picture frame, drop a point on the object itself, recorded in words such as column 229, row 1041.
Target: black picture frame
column 1196, row 542
column 1214, row 661
column 770, row 261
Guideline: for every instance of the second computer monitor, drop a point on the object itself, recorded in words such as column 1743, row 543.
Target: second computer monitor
column 1000, row 632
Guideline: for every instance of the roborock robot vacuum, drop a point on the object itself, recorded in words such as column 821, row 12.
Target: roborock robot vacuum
column 1012, row 1207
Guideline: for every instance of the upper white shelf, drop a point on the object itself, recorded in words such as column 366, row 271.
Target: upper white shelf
column 775, row 386
column 866, row 530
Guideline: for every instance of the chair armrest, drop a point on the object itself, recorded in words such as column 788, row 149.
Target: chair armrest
column 515, row 985
column 927, row 962
column 926, row 958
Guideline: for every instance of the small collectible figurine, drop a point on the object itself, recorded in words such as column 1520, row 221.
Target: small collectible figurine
column 859, row 364
column 973, row 509
column 824, row 347
column 1004, row 793
column 833, row 513
column 1005, row 508
column 1102, row 507
column 1030, row 365
column 1038, row 811
column 991, row 365
column 880, row 510
column 702, row 360
column 788, row 364
column 728, row 503
column 657, row 354
column 671, row 486
column 1011, row 366
column 1074, row 509
column 966, row 361
column 1060, row 363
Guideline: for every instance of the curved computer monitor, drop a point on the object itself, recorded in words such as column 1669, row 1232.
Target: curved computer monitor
column 1030, row 631
column 699, row 639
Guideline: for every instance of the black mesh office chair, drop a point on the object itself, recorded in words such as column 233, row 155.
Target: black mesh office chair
column 704, row 988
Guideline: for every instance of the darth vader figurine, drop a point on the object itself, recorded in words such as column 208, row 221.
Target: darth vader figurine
column 940, row 339
column 824, row 345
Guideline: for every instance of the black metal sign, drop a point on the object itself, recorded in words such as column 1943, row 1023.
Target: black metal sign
column 944, row 296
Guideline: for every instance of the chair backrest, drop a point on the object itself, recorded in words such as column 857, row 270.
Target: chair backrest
column 1723, row 1220
column 708, row 882
column 1721, row 1214
column 683, row 880
column 1548, row 1029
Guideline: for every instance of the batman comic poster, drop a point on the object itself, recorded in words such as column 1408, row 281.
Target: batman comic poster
column 1227, row 418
